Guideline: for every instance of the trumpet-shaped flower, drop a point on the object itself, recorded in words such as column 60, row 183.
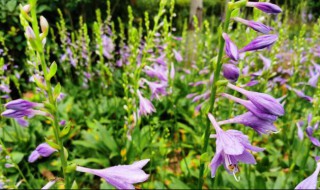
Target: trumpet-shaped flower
column 311, row 181
column 248, row 119
column 145, row 106
column 260, row 42
column 252, row 108
column 21, row 113
column 257, row 26
column 263, row 102
column 230, row 48
column 122, row 176
column 265, row 7
column 43, row 150
column 232, row 147
column 21, row 104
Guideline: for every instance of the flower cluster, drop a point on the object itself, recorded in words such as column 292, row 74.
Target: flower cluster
column 230, row 71
column 18, row 109
column 233, row 146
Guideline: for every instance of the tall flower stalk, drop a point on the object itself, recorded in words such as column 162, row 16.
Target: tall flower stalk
column 37, row 41
column 214, row 90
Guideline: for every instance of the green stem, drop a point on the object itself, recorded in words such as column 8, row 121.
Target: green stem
column 213, row 94
column 14, row 164
column 52, row 101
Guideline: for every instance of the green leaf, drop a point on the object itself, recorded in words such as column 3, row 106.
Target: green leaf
column 53, row 70
column 17, row 157
column 74, row 185
column 56, row 91
column 11, row 5
column 235, row 13
column 65, row 130
column 52, row 144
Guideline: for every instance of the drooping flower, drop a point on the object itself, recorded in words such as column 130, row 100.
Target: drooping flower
column 21, row 104
column 177, row 56
column 232, row 147
column 265, row 7
column 157, row 89
column 230, row 72
column 252, row 108
column 260, row 42
column 261, row 126
column 145, row 106
column 310, row 130
column 263, row 102
column 21, row 113
column 121, row 176
column 257, row 26
column 43, row 150
column 300, row 131
column 230, row 48
column 21, row 121
column 311, row 181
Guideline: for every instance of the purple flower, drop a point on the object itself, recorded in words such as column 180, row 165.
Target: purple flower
column 21, row 113
column 252, row 108
column 157, row 71
column 263, row 102
column 311, row 181
column 231, row 147
column 157, row 89
column 177, row 56
column 21, row 104
column 21, row 121
column 108, row 46
column 5, row 88
column 266, row 62
column 300, row 131
column 43, row 150
column 265, row 7
column 230, row 48
column 260, row 42
column 121, row 176
column 248, row 119
column 145, row 106
column 230, row 72
column 313, row 140
column 257, row 26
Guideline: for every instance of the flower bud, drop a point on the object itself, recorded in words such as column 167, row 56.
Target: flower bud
column 265, row 7
column 26, row 8
column 230, row 72
column 260, row 42
column 230, row 48
column 30, row 33
column 44, row 25
column 257, row 26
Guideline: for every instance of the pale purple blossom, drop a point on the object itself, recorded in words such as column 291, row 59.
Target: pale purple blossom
column 263, row 102
column 231, row 147
column 145, row 106
column 230, row 48
column 121, row 176
column 177, row 56
column 311, row 181
column 43, row 150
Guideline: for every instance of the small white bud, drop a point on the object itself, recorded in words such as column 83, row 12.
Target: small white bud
column 44, row 25
column 30, row 33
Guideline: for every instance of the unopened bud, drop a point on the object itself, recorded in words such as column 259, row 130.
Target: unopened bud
column 26, row 8
column 30, row 33
column 44, row 25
